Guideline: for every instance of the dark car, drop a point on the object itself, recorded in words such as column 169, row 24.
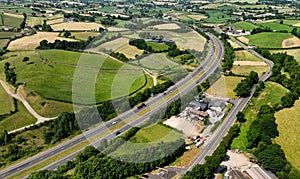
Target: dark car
column 118, row 132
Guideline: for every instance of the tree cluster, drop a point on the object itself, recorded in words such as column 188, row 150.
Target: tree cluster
column 229, row 54
column 259, row 30
column 119, row 56
column 65, row 45
column 212, row 162
column 10, row 75
column 243, row 88
column 78, row 18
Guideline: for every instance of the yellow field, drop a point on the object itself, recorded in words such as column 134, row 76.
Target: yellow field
column 210, row 6
column 122, row 45
column 116, row 29
column 170, row 26
column 233, row 44
column 243, row 55
column 197, row 16
column 76, row 26
column 14, row 15
column 55, row 21
column 245, row 70
column 33, row 41
column 288, row 127
column 224, row 86
column 243, row 39
column 32, row 21
column 292, row 42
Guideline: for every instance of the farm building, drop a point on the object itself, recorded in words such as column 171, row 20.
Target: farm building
column 201, row 106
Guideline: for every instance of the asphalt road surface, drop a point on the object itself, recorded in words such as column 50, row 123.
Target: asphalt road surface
column 208, row 67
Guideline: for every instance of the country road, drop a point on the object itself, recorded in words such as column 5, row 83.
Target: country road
column 132, row 117
column 40, row 119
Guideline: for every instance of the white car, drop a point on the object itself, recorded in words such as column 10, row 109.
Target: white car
column 115, row 122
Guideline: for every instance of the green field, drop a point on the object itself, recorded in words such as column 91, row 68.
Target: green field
column 268, row 39
column 6, row 102
column 243, row 55
column 97, row 74
column 3, row 43
column 288, row 127
column 151, row 135
column 7, row 35
column 157, row 46
column 11, row 21
column 217, row 17
column 20, row 119
column 84, row 35
column 277, row 26
column 241, row 25
column 291, row 22
column 270, row 95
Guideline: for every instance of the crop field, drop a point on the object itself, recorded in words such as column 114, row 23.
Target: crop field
column 33, row 41
column 76, row 26
column 20, row 119
column 210, row 6
column 189, row 40
column 170, row 26
column 217, row 17
column 197, row 16
column 151, row 135
column 12, row 20
column 224, row 86
column 6, row 102
column 129, row 51
column 55, row 21
column 116, row 29
column 245, row 70
column 3, row 43
column 243, row 39
column 97, row 74
column 294, row 52
column 292, row 22
column 270, row 95
column 288, row 126
column 233, row 44
column 84, row 35
column 241, row 25
column 243, row 55
column 269, row 39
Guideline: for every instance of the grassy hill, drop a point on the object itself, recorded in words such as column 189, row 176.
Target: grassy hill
column 269, row 39
column 241, row 25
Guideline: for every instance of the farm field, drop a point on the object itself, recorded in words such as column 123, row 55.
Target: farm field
column 55, row 21
column 76, row 26
column 7, row 35
column 241, row 25
column 243, row 55
column 189, row 40
column 32, row 21
column 170, row 26
column 233, row 44
column 224, row 86
column 243, row 39
column 20, row 119
column 157, row 46
column 268, row 39
column 63, row 77
column 292, row 22
column 6, row 102
column 33, row 41
column 270, row 95
column 84, row 35
column 217, row 17
column 12, row 20
column 294, row 52
column 197, row 16
column 245, row 70
column 288, row 127
column 291, row 42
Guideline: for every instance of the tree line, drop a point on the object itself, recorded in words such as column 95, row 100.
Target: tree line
column 243, row 88
column 229, row 54
column 10, row 75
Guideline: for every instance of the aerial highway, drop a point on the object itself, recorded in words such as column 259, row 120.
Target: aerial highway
column 208, row 66
column 213, row 142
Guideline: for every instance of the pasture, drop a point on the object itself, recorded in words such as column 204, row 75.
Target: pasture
column 241, row 25
column 288, row 126
column 157, row 46
column 76, row 26
column 33, row 41
column 8, row 35
column 268, row 39
column 6, row 102
column 57, row 78
column 170, row 26
column 32, row 21
column 276, row 26
column 12, row 20
column 246, row 69
column 270, row 95
column 197, row 17
column 292, row 22
column 3, row 43
column 224, row 86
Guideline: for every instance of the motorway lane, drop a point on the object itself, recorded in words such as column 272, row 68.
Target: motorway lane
column 213, row 142
column 78, row 139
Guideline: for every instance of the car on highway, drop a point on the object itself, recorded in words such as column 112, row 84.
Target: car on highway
column 114, row 122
